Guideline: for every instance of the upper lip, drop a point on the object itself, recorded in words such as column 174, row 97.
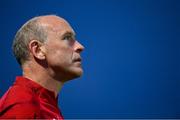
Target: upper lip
column 78, row 60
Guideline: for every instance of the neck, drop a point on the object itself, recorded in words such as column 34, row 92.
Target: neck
column 42, row 78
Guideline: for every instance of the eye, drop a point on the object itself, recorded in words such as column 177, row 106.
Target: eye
column 68, row 37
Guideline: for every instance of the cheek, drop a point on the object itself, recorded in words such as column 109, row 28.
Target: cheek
column 60, row 55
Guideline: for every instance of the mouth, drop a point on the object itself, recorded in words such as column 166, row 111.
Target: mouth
column 78, row 60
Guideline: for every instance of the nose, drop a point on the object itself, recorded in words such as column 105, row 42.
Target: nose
column 79, row 47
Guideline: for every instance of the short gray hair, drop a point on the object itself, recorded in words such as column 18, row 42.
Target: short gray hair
column 32, row 29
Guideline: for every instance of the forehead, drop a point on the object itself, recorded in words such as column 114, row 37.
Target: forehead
column 56, row 24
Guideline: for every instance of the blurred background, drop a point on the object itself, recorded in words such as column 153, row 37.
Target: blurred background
column 131, row 61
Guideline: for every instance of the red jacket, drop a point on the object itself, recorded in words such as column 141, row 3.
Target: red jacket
column 27, row 99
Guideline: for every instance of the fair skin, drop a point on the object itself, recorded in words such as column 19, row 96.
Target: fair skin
column 58, row 59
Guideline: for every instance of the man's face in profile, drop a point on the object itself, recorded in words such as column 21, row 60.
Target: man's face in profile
column 62, row 50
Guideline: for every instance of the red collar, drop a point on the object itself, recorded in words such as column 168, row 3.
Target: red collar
column 36, row 89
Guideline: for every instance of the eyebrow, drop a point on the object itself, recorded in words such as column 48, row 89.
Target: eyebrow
column 68, row 33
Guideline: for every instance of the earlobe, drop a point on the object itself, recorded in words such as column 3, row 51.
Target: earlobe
column 41, row 53
column 36, row 49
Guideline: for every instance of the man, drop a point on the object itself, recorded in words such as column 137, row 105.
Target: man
column 49, row 55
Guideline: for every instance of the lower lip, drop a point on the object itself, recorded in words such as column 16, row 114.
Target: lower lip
column 78, row 62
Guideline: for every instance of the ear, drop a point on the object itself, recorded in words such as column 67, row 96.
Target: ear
column 37, row 49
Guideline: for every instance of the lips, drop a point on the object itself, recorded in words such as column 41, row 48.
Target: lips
column 77, row 60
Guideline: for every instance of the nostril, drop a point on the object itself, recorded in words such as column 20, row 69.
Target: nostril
column 79, row 50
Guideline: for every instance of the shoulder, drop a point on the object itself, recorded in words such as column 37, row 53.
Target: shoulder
column 18, row 94
column 20, row 110
column 18, row 102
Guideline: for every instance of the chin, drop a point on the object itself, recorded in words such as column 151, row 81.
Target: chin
column 75, row 73
column 78, row 73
